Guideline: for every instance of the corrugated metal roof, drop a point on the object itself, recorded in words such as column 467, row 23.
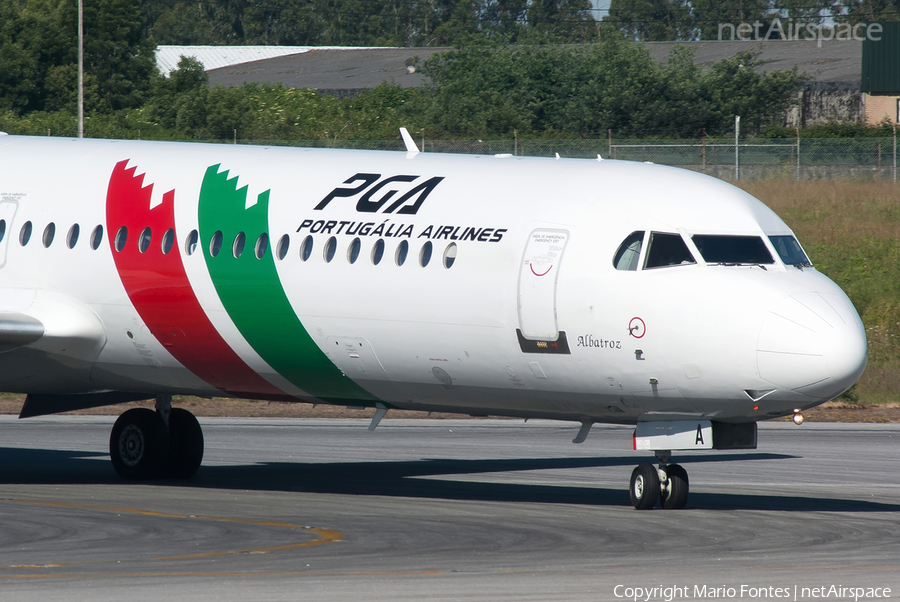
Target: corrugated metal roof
column 215, row 57
column 830, row 64
column 823, row 60
column 339, row 71
column 881, row 61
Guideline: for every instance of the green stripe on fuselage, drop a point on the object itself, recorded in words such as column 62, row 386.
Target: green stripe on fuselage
column 253, row 295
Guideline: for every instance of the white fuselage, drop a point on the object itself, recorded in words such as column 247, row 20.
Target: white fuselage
column 532, row 244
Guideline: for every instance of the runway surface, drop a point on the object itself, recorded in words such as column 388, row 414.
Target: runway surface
column 445, row 510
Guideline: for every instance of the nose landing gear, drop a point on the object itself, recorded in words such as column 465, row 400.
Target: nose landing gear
column 668, row 483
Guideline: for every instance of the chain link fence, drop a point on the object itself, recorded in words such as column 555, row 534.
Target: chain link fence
column 744, row 159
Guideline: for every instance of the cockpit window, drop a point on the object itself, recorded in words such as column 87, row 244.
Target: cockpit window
column 789, row 250
column 732, row 249
column 667, row 249
column 629, row 252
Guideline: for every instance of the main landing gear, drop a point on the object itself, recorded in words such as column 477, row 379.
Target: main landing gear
column 167, row 443
column 668, row 483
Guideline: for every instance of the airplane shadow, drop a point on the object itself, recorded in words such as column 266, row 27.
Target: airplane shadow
column 411, row 479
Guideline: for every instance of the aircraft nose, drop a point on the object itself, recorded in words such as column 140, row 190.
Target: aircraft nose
column 812, row 343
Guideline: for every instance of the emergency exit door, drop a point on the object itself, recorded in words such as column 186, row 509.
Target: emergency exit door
column 7, row 213
column 537, row 284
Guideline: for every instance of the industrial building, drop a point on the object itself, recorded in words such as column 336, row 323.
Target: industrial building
column 850, row 80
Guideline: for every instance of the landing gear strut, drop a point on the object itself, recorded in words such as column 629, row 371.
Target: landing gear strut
column 668, row 483
column 148, row 445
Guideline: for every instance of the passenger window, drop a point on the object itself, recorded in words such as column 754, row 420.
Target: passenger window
column 71, row 237
column 237, row 247
column 284, row 243
column 629, row 252
column 732, row 249
column 168, row 241
column 377, row 251
column 667, row 249
column 330, row 248
column 2, row 229
column 401, row 253
column 306, row 248
column 190, row 245
column 425, row 254
column 353, row 250
column 261, row 246
column 144, row 240
column 49, row 233
column 121, row 238
column 25, row 234
column 450, row 255
column 96, row 237
column 790, row 251
column 215, row 243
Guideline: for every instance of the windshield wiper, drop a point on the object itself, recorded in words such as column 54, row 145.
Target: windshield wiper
column 742, row 263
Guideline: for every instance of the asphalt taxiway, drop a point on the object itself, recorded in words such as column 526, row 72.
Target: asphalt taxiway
column 287, row 509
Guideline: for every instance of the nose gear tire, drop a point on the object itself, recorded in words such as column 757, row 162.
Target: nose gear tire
column 644, row 489
column 674, row 497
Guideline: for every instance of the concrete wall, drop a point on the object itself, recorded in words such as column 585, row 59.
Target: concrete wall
column 821, row 104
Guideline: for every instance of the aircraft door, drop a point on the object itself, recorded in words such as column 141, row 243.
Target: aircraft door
column 537, row 284
column 7, row 213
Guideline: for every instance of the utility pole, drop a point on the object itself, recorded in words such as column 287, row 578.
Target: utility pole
column 704, row 150
column 80, row 69
column 737, row 133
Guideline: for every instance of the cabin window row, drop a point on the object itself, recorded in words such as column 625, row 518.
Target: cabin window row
column 376, row 253
column 49, row 234
column 329, row 250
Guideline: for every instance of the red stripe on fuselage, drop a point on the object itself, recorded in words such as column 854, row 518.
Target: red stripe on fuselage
column 160, row 291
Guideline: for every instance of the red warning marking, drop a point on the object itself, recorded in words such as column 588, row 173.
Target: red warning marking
column 539, row 275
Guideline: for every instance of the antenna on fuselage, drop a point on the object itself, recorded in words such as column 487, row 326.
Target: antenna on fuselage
column 409, row 142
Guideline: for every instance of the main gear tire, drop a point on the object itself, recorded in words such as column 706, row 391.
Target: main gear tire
column 139, row 444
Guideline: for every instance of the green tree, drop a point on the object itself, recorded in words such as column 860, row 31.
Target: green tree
column 183, row 24
column 363, row 22
column 712, row 18
column 739, row 86
column 652, row 20
column 18, row 65
column 33, row 40
column 283, row 23
column 505, row 19
column 585, row 90
column 38, row 55
column 867, row 11
column 187, row 84
column 561, row 20
column 118, row 58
